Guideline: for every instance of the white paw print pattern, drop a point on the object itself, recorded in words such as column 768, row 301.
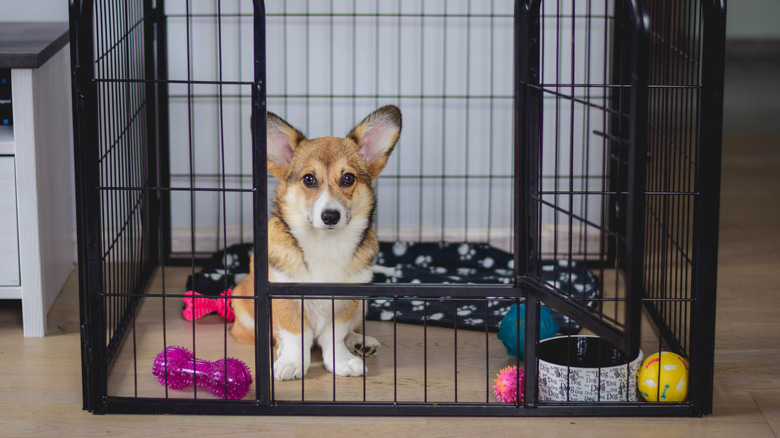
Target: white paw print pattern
column 473, row 321
column 487, row 262
column 466, row 271
column 564, row 277
column 400, row 248
column 417, row 305
column 466, row 310
column 232, row 261
column 215, row 275
column 466, row 251
column 423, row 260
column 501, row 311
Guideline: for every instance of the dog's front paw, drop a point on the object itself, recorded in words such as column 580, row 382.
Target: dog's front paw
column 356, row 343
column 353, row 367
column 288, row 370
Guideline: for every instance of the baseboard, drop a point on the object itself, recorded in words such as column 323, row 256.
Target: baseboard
column 749, row 48
column 585, row 241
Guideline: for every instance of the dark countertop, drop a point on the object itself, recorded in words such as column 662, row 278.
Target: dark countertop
column 30, row 44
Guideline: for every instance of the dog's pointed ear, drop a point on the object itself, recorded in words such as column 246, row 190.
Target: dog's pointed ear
column 281, row 141
column 376, row 136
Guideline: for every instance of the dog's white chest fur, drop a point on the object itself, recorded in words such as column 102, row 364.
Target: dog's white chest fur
column 328, row 254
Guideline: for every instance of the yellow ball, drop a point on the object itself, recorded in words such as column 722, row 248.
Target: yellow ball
column 670, row 384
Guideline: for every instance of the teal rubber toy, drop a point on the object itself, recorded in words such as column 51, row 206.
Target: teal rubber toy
column 508, row 329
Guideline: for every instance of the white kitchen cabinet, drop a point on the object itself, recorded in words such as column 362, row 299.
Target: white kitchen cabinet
column 37, row 238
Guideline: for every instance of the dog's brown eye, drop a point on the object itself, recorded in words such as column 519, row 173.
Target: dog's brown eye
column 309, row 180
column 347, row 180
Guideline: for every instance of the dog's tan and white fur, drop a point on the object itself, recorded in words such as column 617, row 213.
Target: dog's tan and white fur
column 321, row 232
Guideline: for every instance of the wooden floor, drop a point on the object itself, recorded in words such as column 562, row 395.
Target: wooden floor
column 392, row 375
column 41, row 378
column 414, row 364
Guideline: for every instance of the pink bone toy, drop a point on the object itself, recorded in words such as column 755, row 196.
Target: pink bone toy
column 197, row 306
column 227, row 378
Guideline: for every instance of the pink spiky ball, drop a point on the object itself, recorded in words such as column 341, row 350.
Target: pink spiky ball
column 506, row 387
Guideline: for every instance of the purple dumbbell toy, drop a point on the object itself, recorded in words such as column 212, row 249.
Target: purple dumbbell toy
column 182, row 369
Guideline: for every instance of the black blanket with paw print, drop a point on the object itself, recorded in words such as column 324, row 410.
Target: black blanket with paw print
column 439, row 263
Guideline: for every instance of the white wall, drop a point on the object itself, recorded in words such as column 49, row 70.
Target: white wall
column 343, row 60
column 339, row 56
column 34, row 10
column 752, row 19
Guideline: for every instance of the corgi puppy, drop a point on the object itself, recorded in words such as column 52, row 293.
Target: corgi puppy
column 321, row 232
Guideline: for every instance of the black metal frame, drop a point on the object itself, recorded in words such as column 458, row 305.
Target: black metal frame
column 101, row 334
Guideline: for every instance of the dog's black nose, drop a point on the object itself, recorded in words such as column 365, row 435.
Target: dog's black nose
column 330, row 217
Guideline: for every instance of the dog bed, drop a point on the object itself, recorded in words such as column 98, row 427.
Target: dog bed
column 438, row 263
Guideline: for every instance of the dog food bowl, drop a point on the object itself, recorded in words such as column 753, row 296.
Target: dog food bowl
column 585, row 368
